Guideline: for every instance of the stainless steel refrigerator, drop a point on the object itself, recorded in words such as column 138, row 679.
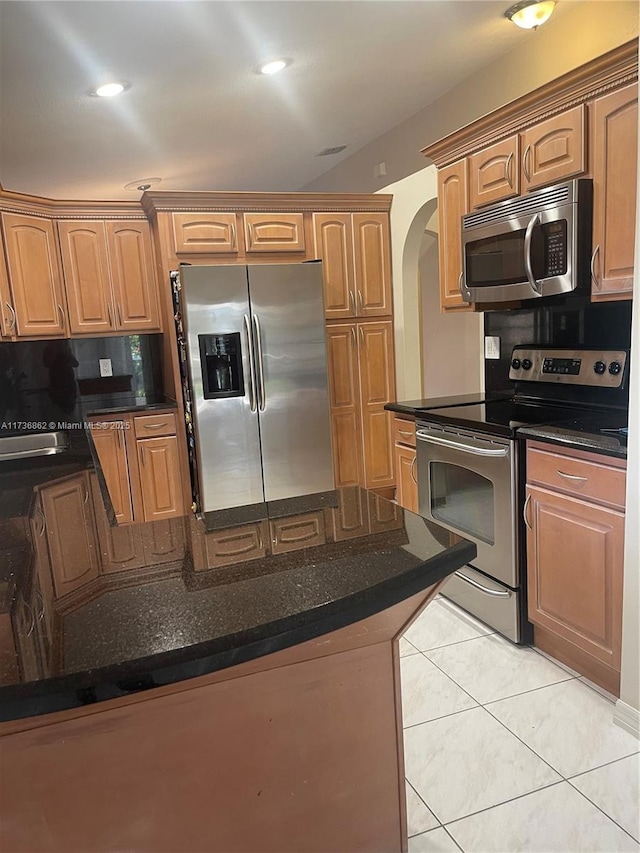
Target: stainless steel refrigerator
column 254, row 349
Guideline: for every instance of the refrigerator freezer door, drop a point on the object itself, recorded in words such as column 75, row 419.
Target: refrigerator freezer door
column 291, row 368
column 215, row 301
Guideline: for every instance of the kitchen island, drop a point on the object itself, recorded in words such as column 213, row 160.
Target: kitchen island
column 250, row 707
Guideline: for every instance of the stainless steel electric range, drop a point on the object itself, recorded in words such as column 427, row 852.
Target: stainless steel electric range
column 471, row 467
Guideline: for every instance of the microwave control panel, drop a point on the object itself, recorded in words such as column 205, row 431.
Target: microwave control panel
column 555, row 234
column 599, row 368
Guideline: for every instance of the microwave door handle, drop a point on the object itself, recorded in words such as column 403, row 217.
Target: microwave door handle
column 252, row 372
column 456, row 445
column 527, row 254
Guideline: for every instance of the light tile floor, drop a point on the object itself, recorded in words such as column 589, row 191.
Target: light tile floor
column 507, row 750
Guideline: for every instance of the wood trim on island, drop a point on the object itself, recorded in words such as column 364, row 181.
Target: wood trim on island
column 287, row 766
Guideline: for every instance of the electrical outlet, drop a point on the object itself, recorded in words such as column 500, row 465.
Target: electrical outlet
column 105, row 367
column 491, row 346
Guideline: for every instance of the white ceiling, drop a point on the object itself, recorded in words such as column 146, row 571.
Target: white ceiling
column 197, row 114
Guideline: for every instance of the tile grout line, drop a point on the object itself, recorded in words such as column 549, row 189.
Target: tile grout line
column 612, row 819
column 426, row 806
column 443, row 717
column 499, row 805
column 453, row 839
column 511, row 696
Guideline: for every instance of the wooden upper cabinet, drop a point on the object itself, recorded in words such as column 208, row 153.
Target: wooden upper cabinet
column 554, row 150
column 133, row 276
column 494, row 172
column 333, row 233
column 274, row 232
column 86, row 275
column 160, row 477
column 205, row 233
column 377, row 387
column 372, row 261
column 70, row 533
column 452, row 205
column 614, row 144
column 34, row 273
column 7, row 312
column 112, row 454
column 344, row 400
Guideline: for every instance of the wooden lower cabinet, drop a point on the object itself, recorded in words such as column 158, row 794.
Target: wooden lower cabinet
column 350, row 518
column 295, row 532
column 160, row 477
column 575, row 564
column 361, row 382
column 69, row 525
column 407, row 484
column 112, row 452
column 163, row 541
column 228, row 546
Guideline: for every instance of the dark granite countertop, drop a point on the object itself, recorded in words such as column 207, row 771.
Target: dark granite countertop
column 579, row 435
column 149, row 626
column 416, row 407
column 121, row 404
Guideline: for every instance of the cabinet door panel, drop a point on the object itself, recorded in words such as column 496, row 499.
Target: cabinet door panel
column 274, row 232
column 614, row 145
column 7, row 312
column 452, row 205
column 86, row 275
column 555, row 149
column 407, row 484
column 205, row 233
column 163, row 541
column 344, row 399
column 70, row 534
column 383, row 514
column 160, row 477
column 574, row 555
column 120, row 547
column 34, row 275
column 495, row 172
column 334, row 244
column 372, row 259
column 350, row 517
column 133, row 276
column 377, row 387
column 112, row 454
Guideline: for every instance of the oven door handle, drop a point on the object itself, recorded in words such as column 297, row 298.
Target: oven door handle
column 429, row 438
column 535, row 285
column 497, row 593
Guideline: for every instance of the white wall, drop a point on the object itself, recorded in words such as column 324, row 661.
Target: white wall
column 564, row 43
column 413, row 208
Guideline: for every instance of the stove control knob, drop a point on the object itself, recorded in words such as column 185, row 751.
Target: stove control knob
column 515, row 363
column 614, row 368
column 526, row 364
column 599, row 367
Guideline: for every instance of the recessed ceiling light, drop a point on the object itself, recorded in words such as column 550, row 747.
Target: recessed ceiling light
column 110, row 90
column 326, row 152
column 274, row 66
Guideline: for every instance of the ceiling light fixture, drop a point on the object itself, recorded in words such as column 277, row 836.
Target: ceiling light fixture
column 142, row 184
column 530, row 14
column 110, row 90
column 274, row 66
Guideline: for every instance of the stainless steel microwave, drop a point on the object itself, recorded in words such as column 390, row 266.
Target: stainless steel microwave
column 527, row 247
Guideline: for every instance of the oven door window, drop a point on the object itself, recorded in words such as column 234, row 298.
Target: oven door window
column 462, row 499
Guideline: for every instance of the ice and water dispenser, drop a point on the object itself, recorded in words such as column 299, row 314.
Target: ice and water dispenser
column 221, row 361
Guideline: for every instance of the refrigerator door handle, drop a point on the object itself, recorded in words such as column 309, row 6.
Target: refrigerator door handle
column 262, row 397
column 252, row 370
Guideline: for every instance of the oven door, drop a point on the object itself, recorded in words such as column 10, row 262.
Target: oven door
column 467, row 484
column 528, row 256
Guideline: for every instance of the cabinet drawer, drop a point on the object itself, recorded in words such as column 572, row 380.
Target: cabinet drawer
column 148, row 426
column 404, row 432
column 585, row 475
column 295, row 532
column 234, row 545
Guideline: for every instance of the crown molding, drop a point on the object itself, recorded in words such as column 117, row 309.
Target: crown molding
column 32, row 205
column 160, row 201
column 612, row 70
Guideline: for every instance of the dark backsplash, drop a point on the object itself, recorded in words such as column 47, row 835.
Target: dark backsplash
column 576, row 323
column 58, row 380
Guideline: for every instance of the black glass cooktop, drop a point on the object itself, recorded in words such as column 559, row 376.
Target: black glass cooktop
column 504, row 417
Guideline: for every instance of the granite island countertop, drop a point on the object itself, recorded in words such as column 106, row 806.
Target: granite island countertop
column 152, row 631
